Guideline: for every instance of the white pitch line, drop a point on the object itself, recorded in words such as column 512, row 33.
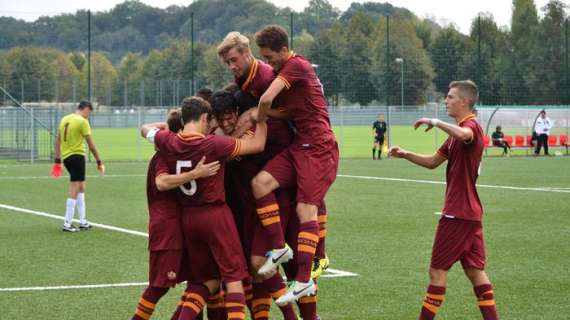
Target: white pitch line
column 53, row 216
column 87, row 286
column 65, row 176
column 542, row 189
column 334, row 273
column 331, row 273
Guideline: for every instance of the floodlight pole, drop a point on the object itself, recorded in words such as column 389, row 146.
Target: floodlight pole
column 401, row 62
column 89, row 55
column 192, row 52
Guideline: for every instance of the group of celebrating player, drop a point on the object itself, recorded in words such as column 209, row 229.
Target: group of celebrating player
column 237, row 186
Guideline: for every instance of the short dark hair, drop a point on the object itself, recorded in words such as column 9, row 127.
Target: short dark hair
column 204, row 93
column 193, row 108
column 85, row 104
column 223, row 102
column 273, row 37
column 245, row 101
column 467, row 89
column 174, row 120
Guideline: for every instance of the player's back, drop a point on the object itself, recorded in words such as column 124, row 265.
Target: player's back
column 183, row 152
column 164, row 211
column 304, row 99
column 72, row 129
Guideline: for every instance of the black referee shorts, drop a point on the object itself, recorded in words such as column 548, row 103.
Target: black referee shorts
column 379, row 140
column 75, row 165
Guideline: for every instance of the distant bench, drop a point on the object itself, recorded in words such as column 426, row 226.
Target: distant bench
column 522, row 142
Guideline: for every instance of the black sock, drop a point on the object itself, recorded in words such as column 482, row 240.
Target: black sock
column 373, row 153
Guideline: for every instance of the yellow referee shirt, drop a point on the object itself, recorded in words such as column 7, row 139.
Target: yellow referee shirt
column 73, row 128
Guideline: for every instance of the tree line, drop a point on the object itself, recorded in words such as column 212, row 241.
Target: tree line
column 354, row 51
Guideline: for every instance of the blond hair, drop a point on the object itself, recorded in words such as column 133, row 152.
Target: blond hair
column 467, row 89
column 232, row 40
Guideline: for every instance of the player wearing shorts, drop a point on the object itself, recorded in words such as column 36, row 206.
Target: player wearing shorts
column 379, row 128
column 459, row 235
column 73, row 130
column 166, row 243
column 310, row 163
column 210, row 232
column 239, row 173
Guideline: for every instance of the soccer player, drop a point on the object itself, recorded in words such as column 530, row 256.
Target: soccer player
column 459, row 235
column 379, row 131
column 73, row 130
column 165, row 242
column 310, row 163
column 240, row 199
column 210, row 233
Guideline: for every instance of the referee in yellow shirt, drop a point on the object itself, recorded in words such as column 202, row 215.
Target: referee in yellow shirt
column 73, row 129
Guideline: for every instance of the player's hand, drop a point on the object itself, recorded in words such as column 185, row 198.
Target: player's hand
column 244, row 119
column 429, row 122
column 397, row 152
column 56, row 169
column 100, row 167
column 203, row 170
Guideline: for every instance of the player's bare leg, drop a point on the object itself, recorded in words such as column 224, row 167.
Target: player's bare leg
column 484, row 292
column 308, row 239
column 263, row 185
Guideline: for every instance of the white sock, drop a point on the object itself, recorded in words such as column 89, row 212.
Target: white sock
column 81, row 207
column 69, row 212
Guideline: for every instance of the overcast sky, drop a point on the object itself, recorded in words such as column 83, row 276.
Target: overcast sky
column 458, row 12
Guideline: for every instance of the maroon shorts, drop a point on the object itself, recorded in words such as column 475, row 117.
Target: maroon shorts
column 458, row 240
column 310, row 168
column 287, row 206
column 166, row 268
column 212, row 241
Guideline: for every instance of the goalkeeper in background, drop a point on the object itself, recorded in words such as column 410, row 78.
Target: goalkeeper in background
column 69, row 147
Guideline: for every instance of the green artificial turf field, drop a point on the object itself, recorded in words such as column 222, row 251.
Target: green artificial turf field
column 380, row 228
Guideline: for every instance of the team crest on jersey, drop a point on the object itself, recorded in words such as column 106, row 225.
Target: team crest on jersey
column 171, row 275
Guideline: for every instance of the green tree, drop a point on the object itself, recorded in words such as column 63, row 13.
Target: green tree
column 356, row 76
column 325, row 52
column 103, row 77
column 447, row 53
column 418, row 70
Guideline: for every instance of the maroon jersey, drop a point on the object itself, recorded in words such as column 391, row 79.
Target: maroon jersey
column 464, row 160
column 164, row 231
column 257, row 80
column 183, row 151
column 304, row 99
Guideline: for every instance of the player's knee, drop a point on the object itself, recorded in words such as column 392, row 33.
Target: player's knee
column 261, row 183
column 212, row 285
column 437, row 276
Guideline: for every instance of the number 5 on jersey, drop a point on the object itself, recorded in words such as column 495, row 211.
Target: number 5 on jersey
column 193, row 186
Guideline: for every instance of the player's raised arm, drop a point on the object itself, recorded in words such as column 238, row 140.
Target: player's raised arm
column 464, row 134
column 166, row 181
column 255, row 144
column 268, row 96
column 148, row 128
column 427, row 161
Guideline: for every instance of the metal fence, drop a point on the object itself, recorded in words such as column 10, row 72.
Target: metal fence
column 28, row 136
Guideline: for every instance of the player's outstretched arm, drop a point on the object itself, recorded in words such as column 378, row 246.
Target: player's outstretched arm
column 455, row 131
column 166, row 182
column 427, row 161
column 255, row 144
column 267, row 98
column 148, row 127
